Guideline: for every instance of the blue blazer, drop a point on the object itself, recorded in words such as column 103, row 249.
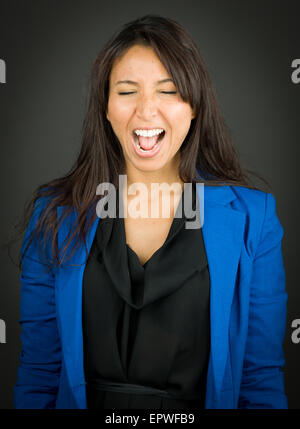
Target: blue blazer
column 242, row 236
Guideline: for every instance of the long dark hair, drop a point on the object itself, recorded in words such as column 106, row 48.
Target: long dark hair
column 207, row 147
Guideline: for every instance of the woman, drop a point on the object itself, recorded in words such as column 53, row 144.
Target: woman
column 146, row 312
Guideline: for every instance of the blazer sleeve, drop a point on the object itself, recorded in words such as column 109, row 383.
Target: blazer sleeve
column 40, row 358
column 263, row 378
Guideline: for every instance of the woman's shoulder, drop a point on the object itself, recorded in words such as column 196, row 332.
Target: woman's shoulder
column 254, row 201
column 251, row 196
column 241, row 197
column 260, row 208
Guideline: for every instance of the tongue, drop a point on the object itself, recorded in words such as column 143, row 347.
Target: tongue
column 147, row 143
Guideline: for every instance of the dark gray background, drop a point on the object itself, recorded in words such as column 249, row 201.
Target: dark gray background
column 48, row 47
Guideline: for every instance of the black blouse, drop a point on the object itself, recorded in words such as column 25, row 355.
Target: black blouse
column 146, row 328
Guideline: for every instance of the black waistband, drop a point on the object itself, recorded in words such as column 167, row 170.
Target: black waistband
column 111, row 386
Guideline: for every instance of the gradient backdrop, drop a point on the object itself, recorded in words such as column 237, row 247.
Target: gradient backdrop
column 48, row 47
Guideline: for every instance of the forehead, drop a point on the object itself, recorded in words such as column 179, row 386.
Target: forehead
column 139, row 62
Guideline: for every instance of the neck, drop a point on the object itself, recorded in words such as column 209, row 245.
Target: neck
column 168, row 174
column 155, row 201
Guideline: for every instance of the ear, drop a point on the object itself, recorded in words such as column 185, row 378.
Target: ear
column 193, row 114
column 107, row 116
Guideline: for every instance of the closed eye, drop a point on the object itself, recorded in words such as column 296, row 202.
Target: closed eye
column 163, row 92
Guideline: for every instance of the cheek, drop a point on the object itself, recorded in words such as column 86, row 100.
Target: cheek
column 118, row 119
column 115, row 110
column 179, row 132
column 179, row 115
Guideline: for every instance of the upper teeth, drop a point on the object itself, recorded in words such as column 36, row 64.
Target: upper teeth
column 148, row 133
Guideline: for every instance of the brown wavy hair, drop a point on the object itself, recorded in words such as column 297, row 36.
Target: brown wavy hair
column 207, row 148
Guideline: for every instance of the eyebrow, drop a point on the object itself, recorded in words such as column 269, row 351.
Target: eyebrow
column 131, row 82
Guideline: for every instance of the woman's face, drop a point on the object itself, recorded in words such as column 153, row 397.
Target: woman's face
column 146, row 104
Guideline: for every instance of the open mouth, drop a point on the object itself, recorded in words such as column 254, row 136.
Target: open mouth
column 159, row 138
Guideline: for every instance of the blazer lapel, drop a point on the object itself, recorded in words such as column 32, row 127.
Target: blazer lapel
column 223, row 231
column 223, row 236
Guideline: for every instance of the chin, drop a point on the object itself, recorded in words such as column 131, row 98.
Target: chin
column 149, row 166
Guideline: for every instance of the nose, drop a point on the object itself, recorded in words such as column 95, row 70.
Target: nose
column 146, row 107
